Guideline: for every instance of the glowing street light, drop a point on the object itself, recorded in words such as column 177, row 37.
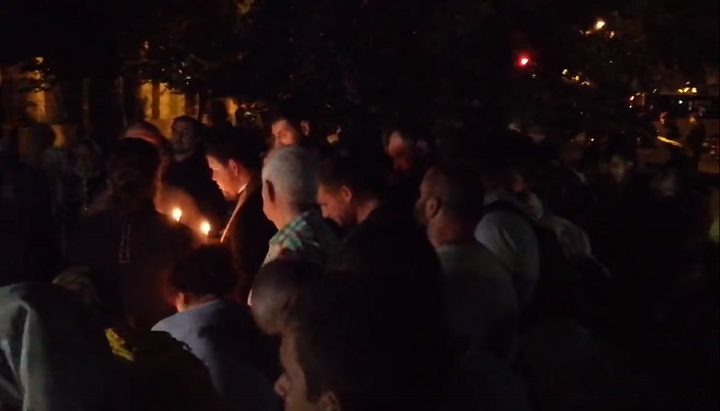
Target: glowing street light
column 599, row 24
column 524, row 61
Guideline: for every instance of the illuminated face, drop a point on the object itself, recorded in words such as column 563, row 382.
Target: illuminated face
column 184, row 139
column 284, row 134
column 224, row 176
column 292, row 385
column 620, row 168
column 401, row 153
column 336, row 205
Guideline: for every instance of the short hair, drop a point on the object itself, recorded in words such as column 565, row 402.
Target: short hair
column 146, row 131
column 293, row 111
column 241, row 146
column 192, row 121
column 293, row 170
column 371, row 359
column 459, row 189
column 363, row 175
column 209, row 270
column 131, row 172
column 288, row 274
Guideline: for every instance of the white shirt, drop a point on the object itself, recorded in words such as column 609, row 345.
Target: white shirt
column 511, row 238
column 479, row 291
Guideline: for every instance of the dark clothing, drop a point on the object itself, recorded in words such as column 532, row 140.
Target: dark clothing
column 136, row 252
column 29, row 240
column 389, row 253
column 52, row 356
column 248, row 234
column 193, row 176
column 693, row 142
column 79, row 193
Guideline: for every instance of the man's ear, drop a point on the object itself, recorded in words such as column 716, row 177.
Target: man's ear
column 346, row 194
column 432, row 207
column 329, row 402
column 234, row 167
column 270, row 190
column 305, row 128
column 180, row 301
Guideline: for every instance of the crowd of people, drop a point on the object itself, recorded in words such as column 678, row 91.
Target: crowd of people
column 222, row 270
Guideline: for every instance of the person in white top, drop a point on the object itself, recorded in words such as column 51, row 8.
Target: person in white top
column 481, row 301
column 509, row 234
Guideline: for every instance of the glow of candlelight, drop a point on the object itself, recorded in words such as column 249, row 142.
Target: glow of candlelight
column 205, row 228
column 177, row 214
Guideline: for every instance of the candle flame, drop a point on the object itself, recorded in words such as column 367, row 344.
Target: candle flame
column 177, row 214
column 205, row 227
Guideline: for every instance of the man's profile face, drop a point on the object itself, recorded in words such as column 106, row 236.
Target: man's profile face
column 401, row 153
column 335, row 206
column 223, row 176
column 284, row 134
column 292, row 385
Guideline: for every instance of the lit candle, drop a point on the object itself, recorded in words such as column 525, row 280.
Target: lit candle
column 205, row 229
column 177, row 214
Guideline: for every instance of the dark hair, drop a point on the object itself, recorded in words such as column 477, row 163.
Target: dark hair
column 293, row 111
column 361, row 174
column 288, row 275
column 209, row 270
column 242, row 145
column 372, row 359
column 132, row 170
column 460, row 190
column 192, row 121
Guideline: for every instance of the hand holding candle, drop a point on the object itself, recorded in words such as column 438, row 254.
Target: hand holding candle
column 205, row 229
column 177, row 214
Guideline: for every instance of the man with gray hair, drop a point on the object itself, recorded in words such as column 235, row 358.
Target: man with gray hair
column 289, row 192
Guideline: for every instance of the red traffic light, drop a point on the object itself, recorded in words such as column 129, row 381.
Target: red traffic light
column 524, row 61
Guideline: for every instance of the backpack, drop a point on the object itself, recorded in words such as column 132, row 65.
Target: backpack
column 555, row 289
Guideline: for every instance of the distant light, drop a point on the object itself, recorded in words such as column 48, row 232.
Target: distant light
column 680, row 102
column 565, row 72
column 694, row 90
column 681, row 90
column 632, row 98
column 599, row 24
column 524, row 61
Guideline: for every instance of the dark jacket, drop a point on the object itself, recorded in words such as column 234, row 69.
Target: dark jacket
column 152, row 246
column 247, row 236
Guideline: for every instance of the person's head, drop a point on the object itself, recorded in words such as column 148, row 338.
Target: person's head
column 234, row 160
column 572, row 153
column 208, row 273
column 406, row 149
column 289, row 179
column 622, row 164
column 185, row 136
column 339, row 352
column 132, row 173
column 87, row 157
column 218, row 113
column 449, row 196
column 145, row 130
column 289, row 127
column 664, row 117
column 277, row 287
column 346, row 185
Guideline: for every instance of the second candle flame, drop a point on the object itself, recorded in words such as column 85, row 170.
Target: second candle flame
column 177, row 214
